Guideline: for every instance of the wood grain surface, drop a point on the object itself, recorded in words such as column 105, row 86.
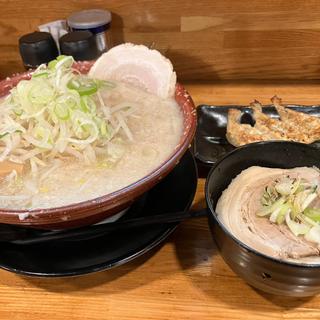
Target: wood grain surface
column 206, row 39
column 184, row 279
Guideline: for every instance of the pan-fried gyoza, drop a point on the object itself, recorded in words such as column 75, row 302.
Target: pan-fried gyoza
column 291, row 126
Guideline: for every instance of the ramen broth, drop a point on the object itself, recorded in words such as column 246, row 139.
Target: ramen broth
column 156, row 127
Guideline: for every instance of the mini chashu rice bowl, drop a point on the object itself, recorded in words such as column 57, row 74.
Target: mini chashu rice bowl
column 269, row 274
column 98, row 208
column 243, row 210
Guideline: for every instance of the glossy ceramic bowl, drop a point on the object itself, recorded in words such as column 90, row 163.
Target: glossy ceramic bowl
column 263, row 272
column 95, row 210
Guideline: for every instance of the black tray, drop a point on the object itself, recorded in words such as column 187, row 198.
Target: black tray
column 70, row 258
column 210, row 142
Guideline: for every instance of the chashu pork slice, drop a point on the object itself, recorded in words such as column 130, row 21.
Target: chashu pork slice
column 139, row 66
column 239, row 203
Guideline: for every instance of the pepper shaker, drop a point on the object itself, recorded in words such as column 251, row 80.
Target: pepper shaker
column 97, row 22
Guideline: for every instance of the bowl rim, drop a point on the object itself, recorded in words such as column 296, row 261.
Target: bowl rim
column 185, row 140
column 213, row 213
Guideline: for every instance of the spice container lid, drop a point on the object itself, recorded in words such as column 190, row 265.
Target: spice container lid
column 88, row 19
column 79, row 44
column 37, row 48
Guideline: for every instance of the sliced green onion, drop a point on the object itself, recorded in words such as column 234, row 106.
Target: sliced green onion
column 313, row 235
column 64, row 61
column 72, row 101
column 308, row 200
column 2, row 135
column 39, row 74
column 10, row 131
column 303, row 218
column 295, row 227
column 312, row 213
column 285, row 208
column 293, row 205
column 296, row 185
column 87, row 104
column 103, row 129
column 269, row 209
column 61, row 111
column 83, row 85
column 40, row 93
column 284, row 188
column 52, row 64
column 297, row 203
column 61, row 57
column 274, row 215
column 61, row 61
column 18, row 112
column 105, row 84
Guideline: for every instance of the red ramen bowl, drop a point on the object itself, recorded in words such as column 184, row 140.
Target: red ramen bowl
column 98, row 209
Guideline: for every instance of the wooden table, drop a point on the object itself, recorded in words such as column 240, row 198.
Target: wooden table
column 184, row 279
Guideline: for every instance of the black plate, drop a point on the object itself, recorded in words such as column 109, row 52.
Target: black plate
column 56, row 259
column 210, row 141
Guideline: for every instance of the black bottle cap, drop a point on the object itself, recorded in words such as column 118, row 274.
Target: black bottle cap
column 79, row 44
column 37, row 48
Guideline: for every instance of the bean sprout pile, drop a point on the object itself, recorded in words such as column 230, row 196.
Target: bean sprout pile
column 60, row 113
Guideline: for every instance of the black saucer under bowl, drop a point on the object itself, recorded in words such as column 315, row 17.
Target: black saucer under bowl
column 70, row 258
